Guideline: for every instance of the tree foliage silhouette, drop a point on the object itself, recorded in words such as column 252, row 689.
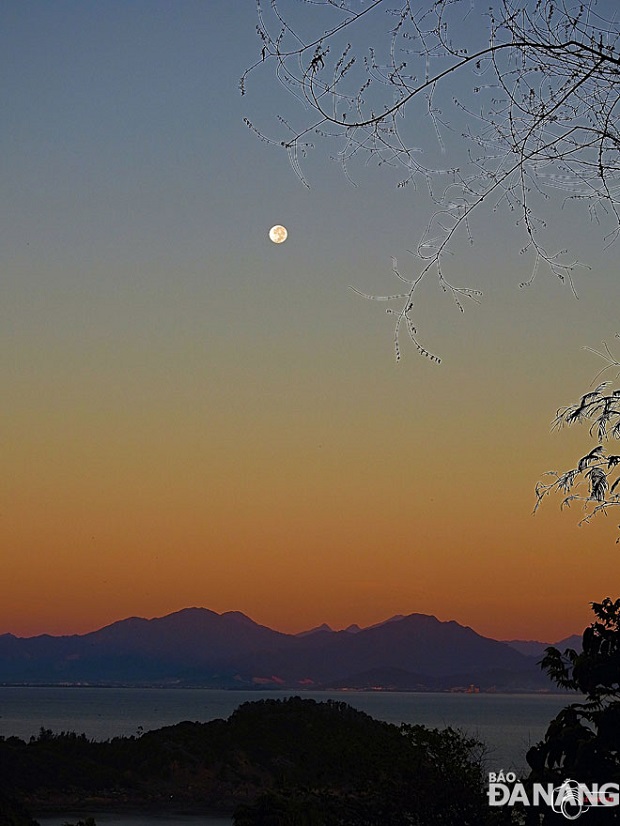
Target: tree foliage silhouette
column 521, row 97
column 275, row 761
column 583, row 741
column 594, row 481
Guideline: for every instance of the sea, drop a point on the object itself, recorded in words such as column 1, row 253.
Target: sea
column 508, row 724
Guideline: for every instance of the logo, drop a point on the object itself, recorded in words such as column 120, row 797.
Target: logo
column 571, row 799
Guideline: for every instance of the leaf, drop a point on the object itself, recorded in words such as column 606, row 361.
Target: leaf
column 567, row 480
column 593, row 456
column 598, row 483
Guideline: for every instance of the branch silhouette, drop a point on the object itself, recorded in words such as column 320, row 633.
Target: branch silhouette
column 595, row 480
column 534, row 106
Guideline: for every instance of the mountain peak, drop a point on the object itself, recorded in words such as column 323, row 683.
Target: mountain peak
column 239, row 616
column 324, row 627
column 195, row 611
column 352, row 629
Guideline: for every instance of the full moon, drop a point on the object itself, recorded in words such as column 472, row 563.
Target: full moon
column 278, row 234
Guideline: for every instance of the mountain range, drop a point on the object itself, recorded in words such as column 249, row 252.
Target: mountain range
column 199, row 647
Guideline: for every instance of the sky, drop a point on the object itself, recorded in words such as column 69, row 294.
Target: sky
column 194, row 416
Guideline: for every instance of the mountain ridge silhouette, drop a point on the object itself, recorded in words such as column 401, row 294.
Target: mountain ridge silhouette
column 198, row 646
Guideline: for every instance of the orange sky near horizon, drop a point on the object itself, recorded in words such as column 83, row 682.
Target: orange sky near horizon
column 298, row 499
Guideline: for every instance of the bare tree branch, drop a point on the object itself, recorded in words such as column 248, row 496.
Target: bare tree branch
column 534, row 89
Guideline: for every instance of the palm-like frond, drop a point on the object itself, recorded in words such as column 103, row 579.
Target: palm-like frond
column 598, row 471
column 593, row 456
column 598, row 483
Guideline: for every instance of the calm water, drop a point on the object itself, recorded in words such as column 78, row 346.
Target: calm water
column 507, row 723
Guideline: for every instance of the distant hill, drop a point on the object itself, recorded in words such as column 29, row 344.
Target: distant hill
column 385, row 679
column 197, row 646
column 194, row 642
column 533, row 648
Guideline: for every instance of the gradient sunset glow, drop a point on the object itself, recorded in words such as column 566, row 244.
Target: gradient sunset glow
column 193, row 415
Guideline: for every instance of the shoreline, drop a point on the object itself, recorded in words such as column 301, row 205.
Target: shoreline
column 296, row 690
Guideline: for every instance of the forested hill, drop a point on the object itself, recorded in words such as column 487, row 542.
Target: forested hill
column 271, row 758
